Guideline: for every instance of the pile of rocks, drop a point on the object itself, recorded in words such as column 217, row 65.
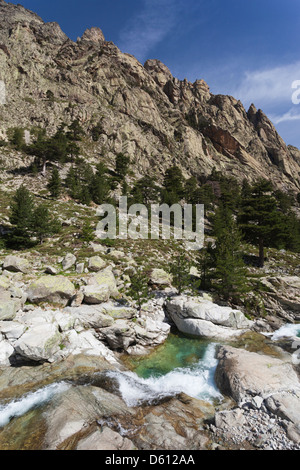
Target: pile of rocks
column 266, row 390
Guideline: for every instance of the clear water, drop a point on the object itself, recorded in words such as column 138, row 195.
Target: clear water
column 177, row 352
column 287, row 331
column 31, row 400
column 182, row 364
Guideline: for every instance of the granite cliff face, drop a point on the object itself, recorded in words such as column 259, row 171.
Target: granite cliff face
column 142, row 111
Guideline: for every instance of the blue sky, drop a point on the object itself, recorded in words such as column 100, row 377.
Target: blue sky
column 246, row 48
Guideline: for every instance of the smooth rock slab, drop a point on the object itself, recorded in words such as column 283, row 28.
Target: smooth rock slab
column 243, row 375
column 200, row 317
column 203, row 309
column 206, row 329
column 107, row 439
column 39, row 343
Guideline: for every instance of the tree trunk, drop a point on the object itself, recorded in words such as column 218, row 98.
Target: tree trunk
column 261, row 253
column 44, row 170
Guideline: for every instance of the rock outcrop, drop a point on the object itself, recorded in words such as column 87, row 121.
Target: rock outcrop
column 200, row 317
column 146, row 113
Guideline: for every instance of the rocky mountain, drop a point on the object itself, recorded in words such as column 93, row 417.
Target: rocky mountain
column 140, row 110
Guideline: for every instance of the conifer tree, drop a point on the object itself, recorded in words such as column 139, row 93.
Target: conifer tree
column 173, row 190
column 139, row 289
column 21, row 217
column 229, row 273
column 260, row 219
column 180, row 270
column 43, row 224
column 87, row 232
column 55, row 184
column 100, row 185
column 122, row 166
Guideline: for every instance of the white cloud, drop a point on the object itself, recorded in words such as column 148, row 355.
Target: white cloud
column 292, row 114
column 269, row 87
column 149, row 27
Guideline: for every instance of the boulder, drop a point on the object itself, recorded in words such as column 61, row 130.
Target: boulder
column 16, row 264
column 79, row 268
column 243, row 375
column 4, row 283
column 68, row 261
column 12, row 330
column 51, row 270
column 53, row 289
column 8, row 306
column 85, row 342
column 159, row 277
column 120, row 335
column 100, row 316
column 286, row 405
column 39, row 343
column 201, row 317
column 6, row 350
column 96, row 264
column 101, row 287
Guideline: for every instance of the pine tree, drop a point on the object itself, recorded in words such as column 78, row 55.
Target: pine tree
column 205, row 264
column 17, row 138
column 100, row 185
column 55, row 184
column 173, row 190
column 43, row 224
column 21, row 217
column 87, row 232
column 180, row 270
column 144, row 191
column 260, row 219
column 229, row 273
column 122, row 166
column 139, row 289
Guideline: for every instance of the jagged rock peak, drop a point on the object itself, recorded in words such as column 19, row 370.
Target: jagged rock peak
column 94, row 35
column 201, row 85
column 252, row 110
column 158, row 71
column 10, row 13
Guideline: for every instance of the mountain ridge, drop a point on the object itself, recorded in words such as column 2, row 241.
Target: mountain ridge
column 142, row 110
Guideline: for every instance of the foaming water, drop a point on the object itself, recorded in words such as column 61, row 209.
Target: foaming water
column 286, row 331
column 196, row 381
column 23, row 405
